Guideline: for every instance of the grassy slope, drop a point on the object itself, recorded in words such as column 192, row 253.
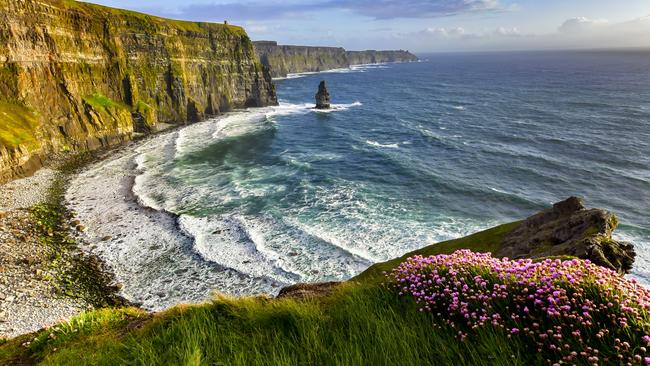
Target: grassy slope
column 358, row 325
column 361, row 323
column 94, row 9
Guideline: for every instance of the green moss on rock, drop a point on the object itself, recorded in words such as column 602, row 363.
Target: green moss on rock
column 18, row 125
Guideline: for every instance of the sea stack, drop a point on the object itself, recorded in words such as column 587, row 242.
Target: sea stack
column 322, row 97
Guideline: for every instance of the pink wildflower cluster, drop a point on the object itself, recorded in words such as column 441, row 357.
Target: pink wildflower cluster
column 570, row 311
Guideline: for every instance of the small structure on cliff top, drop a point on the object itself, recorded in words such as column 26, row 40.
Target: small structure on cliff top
column 322, row 97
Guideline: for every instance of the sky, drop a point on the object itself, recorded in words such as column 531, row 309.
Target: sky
column 423, row 25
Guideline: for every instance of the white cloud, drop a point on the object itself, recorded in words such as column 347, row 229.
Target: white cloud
column 461, row 33
column 574, row 33
column 508, row 32
column 582, row 24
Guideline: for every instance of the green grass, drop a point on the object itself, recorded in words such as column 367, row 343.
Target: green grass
column 93, row 9
column 485, row 241
column 17, row 125
column 357, row 325
column 101, row 102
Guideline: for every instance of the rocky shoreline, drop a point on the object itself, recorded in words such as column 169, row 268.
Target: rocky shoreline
column 46, row 278
column 28, row 295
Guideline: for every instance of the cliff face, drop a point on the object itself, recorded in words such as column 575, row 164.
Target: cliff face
column 283, row 60
column 80, row 76
column 375, row 57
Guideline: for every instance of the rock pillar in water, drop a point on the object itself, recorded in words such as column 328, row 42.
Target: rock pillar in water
column 322, row 97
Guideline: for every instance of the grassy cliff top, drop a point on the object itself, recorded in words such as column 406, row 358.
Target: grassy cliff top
column 94, row 10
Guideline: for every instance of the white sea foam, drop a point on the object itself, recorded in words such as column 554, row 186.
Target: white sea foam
column 459, row 107
column 377, row 144
column 232, row 242
column 146, row 253
column 346, row 70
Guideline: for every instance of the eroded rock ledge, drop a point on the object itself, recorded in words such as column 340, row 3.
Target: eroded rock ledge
column 570, row 229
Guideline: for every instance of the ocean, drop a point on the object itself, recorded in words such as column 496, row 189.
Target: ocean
column 411, row 154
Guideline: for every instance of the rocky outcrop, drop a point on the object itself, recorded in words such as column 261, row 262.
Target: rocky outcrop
column 308, row 290
column 283, row 60
column 570, row 229
column 79, row 76
column 322, row 97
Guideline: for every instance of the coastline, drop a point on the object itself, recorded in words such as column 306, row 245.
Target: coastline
column 28, row 298
column 48, row 302
column 151, row 252
column 129, row 236
column 47, row 277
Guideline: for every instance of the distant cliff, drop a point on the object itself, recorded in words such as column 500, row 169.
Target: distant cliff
column 80, row 76
column 283, row 60
column 375, row 57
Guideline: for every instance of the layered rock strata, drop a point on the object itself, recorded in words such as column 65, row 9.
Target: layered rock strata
column 283, row 59
column 77, row 76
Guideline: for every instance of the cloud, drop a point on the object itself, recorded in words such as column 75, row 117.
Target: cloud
column 599, row 33
column 582, row 24
column 390, row 9
column 238, row 11
column 574, row 33
column 378, row 9
column 460, row 33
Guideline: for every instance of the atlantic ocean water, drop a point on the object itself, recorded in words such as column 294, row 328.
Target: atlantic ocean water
column 411, row 154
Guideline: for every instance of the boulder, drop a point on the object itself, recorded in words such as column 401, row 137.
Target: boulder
column 570, row 229
column 322, row 97
column 308, row 290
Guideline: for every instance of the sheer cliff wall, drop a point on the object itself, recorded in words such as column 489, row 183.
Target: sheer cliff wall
column 77, row 76
column 283, row 60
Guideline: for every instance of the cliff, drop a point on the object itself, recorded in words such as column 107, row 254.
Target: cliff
column 375, row 57
column 77, row 76
column 283, row 60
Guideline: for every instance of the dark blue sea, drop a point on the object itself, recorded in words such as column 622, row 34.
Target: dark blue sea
column 410, row 155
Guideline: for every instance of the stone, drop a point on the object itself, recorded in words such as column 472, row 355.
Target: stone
column 81, row 228
column 322, row 97
column 107, row 238
column 570, row 229
column 307, row 290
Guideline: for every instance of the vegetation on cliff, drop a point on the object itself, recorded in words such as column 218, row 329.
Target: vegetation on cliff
column 78, row 76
